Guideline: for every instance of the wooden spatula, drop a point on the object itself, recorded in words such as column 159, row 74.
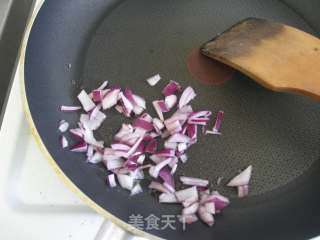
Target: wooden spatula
column 277, row 56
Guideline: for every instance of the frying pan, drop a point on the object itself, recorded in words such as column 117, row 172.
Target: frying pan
column 77, row 44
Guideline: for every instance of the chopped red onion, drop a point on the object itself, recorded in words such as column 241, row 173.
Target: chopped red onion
column 141, row 123
column 96, row 112
column 171, row 88
column 146, row 117
column 174, row 169
column 79, row 147
column 90, row 139
column 189, row 201
column 63, row 126
column 120, row 146
column 182, row 147
column 152, row 81
column 158, row 187
column 217, row 125
column 187, row 95
column 170, row 145
column 154, row 170
column 219, row 201
column 111, row 180
column 170, row 101
column 157, row 159
column 166, row 176
column 96, row 158
column 188, row 219
column 152, row 146
column 193, row 208
column 125, row 181
column 64, row 108
column 127, row 106
column 243, row 191
column 139, row 101
column 129, row 95
column 165, row 153
column 86, row 101
column 192, row 131
column 242, row 178
column 113, row 163
column 90, row 151
column 92, row 124
column 167, row 198
column 103, row 85
column 184, row 194
column 159, row 110
column 110, row 99
column 205, row 216
column 136, row 190
column 137, row 174
column 194, row 181
column 77, row 132
column 173, row 127
column 184, row 158
column 210, row 207
column 135, row 146
column 97, row 95
column 179, row 138
column 141, row 159
column 64, row 142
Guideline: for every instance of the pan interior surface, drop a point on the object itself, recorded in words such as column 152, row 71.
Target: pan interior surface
column 126, row 42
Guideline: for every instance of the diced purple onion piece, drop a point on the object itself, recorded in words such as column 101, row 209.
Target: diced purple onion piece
column 187, row 95
column 64, row 108
column 171, row 88
column 111, row 180
column 155, row 170
column 210, row 207
column 166, row 176
column 184, row 194
column 64, row 142
column 158, row 109
column 110, row 99
column 141, row 102
column 170, row 101
column 242, row 178
column 158, row 187
column 184, row 158
column 194, row 181
column 96, row 158
column 217, row 124
column 63, row 126
column 167, row 198
column 152, row 146
column 136, row 190
column 179, row 138
column 189, row 201
column 125, row 181
column 141, row 123
column 193, row 208
column 79, row 147
column 152, row 81
column 205, row 216
column 86, row 101
column 188, row 219
column 243, row 191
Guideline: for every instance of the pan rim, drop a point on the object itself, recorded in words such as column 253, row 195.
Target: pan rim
column 53, row 164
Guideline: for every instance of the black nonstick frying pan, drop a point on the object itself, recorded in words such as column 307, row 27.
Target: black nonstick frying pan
column 77, row 44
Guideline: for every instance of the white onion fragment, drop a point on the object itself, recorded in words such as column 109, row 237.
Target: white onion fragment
column 151, row 145
column 152, row 81
column 63, row 126
column 194, row 181
column 64, row 142
column 86, row 101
